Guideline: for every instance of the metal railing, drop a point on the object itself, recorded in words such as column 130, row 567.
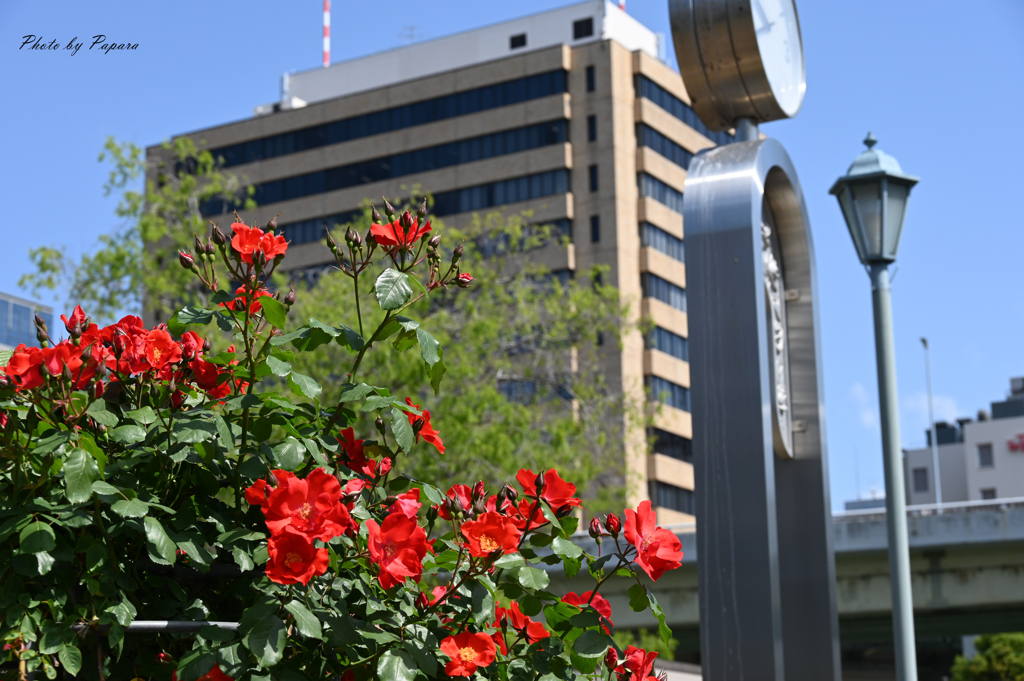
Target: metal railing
column 934, row 509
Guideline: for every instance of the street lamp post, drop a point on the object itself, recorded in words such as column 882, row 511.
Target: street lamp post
column 936, row 477
column 873, row 197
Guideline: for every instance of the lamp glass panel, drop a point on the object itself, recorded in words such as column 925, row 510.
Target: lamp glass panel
column 852, row 223
column 868, row 197
column 895, row 209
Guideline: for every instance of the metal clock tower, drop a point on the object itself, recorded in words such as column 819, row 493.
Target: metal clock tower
column 764, row 529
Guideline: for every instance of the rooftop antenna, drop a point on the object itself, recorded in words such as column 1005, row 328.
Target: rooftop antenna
column 327, row 33
column 408, row 34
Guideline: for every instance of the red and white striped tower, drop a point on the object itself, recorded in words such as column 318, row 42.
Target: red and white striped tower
column 327, row 33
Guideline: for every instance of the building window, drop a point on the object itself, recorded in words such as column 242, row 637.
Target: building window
column 646, row 136
column 988, row 493
column 660, row 240
column 583, row 28
column 670, row 444
column 590, row 79
column 655, row 287
column 670, row 343
column 592, row 174
column 985, row 456
column 669, row 496
column 659, row 191
column 517, row 41
column 668, row 393
column 591, row 128
column 595, row 228
column 648, row 89
column 920, row 479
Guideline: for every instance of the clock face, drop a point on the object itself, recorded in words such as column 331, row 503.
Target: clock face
column 778, row 40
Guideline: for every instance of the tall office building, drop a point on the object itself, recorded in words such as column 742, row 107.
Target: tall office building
column 17, row 321
column 568, row 113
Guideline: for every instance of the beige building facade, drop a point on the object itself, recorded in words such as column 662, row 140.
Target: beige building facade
column 574, row 118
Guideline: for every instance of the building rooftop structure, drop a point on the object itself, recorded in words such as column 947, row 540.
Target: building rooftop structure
column 576, row 24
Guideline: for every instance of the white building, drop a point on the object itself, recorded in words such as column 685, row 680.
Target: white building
column 982, row 459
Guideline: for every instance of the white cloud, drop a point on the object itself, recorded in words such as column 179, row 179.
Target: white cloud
column 867, row 412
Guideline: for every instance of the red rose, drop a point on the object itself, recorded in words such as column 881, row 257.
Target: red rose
column 191, row 345
column 391, row 234
column 23, row 367
column 637, row 665
column 294, row 559
column 556, row 492
column 468, row 651
column 398, row 546
column 311, row 507
column 207, row 376
column 460, row 493
column 657, row 549
column 526, row 514
column 214, row 674
column 248, row 239
column 427, row 432
column 534, row 631
column 598, row 603
column 464, row 280
column 257, row 494
column 408, row 503
column 161, row 350
column 246, row 300
column 491, row 532
column 75, row 325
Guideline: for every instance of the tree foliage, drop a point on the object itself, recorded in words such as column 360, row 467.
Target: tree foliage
column 1000, row 657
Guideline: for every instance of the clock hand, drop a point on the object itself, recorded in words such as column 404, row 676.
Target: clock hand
column 765, row 24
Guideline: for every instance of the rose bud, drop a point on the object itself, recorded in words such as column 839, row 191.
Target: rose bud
column 198, row 243
column 595, row 528
column 613, row 524
column 432, row 514
column 5, row 381
column 422, row 601
column 380, row 425
column 479, row 490
column 464, row 280
column 611, row 659
column 435, row 241
column 374, row 215
column 539, row 482
column 207, row 345
column 66, row 373
column 511, row 494
column 350, row 236
column 186, row 260
column 389, row 210
column 457, row 254
column 563, row 511
column 272, row 225
column 217, row 235
column 40, row 322
column 289, row 299
column 164, row 658
column 421, row 212
column 87, row 353
column 454, row 507
column 479, row 507
column 418, row 426
column 259, row 258
column 331, row 243
column 405, row 221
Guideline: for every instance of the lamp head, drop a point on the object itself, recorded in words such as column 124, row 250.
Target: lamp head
column 873, row 197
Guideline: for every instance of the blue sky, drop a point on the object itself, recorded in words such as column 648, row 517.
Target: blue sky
column 938, row 82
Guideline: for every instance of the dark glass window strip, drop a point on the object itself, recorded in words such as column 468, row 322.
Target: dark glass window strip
column 306, row 231
column 647, row 88
column 660, row 192
column 660, row 240
column 665, row 291
column 669, row 343
column 396, row 118
column 499, row 242
column 670, row 444
column 668, row 392
column 406, row 163
column 649, row 137
column 525, row 392
column 17, row 325
column 664, row 495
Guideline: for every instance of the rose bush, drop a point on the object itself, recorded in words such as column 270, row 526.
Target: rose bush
column 146, row 477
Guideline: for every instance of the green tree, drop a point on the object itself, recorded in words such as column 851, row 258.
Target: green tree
column 525, row 388
column 652, row 642
column 1000, row 657
column 134, row 266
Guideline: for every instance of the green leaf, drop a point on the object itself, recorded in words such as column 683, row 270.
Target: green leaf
column 530, row 605
column 436, row 373
column 37, row 537
column 188, row 316
column 71, row 659
column 97, row 411
column 128, row 435
column 565, row 548
column 353, row 393
column 274, row 311
column 105, row 488
column 44, row 562
column 392, row 289
column 482, row 604
column 242, row 559
column 508, row 561
column 215, row 633
column 435, row 495
column 396, row 665
column 533, row 578
column 289, row 454
column 130, row 508
column 278, row 367
column 267, row 640
column 638, row 600
column 301, row 384
column 306, row 622
column 145, row 416
column 5, row 357
column 161, row 549
column 592, row 643
column 80, row 471
column 659, row 614
column 430, row 349
column 519, row 670
column 196, row 663
column 402, row 429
